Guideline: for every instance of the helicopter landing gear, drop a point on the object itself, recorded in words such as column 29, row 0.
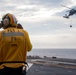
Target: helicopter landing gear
column 66, row 16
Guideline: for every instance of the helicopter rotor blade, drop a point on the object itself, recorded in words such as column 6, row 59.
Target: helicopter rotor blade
column 66, row 6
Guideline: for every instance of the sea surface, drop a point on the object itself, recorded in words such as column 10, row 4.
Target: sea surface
column 60, row 53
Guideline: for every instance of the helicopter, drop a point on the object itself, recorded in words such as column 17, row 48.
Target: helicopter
column 71, row 12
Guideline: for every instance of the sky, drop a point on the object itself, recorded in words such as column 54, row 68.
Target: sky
column 43, row 19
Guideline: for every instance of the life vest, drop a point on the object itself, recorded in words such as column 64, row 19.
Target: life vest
column 14, row 44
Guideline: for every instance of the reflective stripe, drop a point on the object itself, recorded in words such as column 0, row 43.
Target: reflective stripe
column 13, row 34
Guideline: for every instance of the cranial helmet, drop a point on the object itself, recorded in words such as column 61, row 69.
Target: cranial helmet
column 11, row 18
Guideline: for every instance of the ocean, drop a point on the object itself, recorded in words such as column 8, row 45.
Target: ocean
column 59, row 53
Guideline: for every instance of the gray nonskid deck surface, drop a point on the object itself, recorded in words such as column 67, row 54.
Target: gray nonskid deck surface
column 39, row 69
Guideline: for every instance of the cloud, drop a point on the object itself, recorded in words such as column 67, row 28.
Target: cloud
column 32, row 9
column 53, row 41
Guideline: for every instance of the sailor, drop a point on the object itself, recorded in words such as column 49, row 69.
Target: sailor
column 14, row 45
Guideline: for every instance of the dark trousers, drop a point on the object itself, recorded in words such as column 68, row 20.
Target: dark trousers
column 11, row 71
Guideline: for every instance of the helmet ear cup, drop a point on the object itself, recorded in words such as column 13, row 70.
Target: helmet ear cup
column 6, row 22
column 2, row 23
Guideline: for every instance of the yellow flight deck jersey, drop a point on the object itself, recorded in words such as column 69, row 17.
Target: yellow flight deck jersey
column 14, row 44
